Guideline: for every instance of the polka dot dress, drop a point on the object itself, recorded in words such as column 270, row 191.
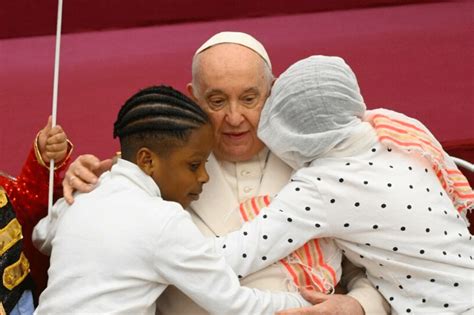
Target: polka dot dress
column 388, row 213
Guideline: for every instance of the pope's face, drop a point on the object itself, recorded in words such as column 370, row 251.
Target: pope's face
column 232, row 85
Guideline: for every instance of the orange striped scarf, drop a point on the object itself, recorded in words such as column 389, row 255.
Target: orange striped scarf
column 306, row 266
column 397, row 130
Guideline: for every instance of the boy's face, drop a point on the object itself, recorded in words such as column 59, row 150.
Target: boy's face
column 182, row 173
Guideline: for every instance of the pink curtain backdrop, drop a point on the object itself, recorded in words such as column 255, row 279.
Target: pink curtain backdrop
column 417, row 59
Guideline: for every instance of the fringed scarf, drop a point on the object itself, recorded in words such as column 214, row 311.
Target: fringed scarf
column 397, row 130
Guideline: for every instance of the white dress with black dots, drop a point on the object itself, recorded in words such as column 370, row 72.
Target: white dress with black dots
column 387, row 212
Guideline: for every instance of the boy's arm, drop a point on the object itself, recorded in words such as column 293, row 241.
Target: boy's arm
column 185, row 259
column 45, row 230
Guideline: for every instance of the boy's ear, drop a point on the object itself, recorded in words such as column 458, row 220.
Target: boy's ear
column 147, row 160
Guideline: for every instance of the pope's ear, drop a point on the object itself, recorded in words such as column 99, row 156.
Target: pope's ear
column 191, row 92
column 271, row 87
column 147, row 160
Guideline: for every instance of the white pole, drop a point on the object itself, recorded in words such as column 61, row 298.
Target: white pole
column 55, row 96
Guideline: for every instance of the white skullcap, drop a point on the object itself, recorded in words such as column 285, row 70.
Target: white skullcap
column 236, row 38
column 314, row 106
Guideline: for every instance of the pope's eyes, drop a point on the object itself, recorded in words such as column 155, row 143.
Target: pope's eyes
column 249, row 99
column 217, row 103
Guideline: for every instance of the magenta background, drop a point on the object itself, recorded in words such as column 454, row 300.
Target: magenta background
column 416, row 58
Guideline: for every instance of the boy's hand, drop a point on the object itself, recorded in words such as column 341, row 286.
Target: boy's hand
column 52, row 143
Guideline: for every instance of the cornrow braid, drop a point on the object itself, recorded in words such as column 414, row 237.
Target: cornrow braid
column 154, row 117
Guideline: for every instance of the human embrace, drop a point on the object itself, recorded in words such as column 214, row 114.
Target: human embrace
column 375, row 187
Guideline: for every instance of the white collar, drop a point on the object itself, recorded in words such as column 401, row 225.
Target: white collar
column 261, row 158
column 133, row 173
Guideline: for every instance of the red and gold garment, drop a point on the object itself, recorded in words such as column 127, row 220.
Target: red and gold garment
column 28, row 194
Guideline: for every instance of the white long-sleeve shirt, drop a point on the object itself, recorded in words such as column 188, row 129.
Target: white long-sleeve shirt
column 388, row 213
column 117, row 248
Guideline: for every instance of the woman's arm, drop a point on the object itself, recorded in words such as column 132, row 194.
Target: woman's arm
column 295, row 216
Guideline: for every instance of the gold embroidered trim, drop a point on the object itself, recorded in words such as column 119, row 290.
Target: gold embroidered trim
column 3, row 198
column 9, row 235
column 14, row 274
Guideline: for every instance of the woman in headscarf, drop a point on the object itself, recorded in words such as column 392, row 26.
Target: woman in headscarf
column 377, row 182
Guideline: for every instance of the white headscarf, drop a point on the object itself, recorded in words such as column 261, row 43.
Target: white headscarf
column 313, row 107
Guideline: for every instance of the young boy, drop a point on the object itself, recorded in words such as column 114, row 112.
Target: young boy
column 117, row 248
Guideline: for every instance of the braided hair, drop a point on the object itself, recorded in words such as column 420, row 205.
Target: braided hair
column 158, row 117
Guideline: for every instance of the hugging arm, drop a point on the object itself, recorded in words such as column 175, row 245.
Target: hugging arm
column 297, row 214
column 294, row 217
column 191, row 264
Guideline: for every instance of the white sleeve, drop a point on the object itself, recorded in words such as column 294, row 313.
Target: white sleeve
column 45, row 230
column 295, row 216
column 185, row 259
